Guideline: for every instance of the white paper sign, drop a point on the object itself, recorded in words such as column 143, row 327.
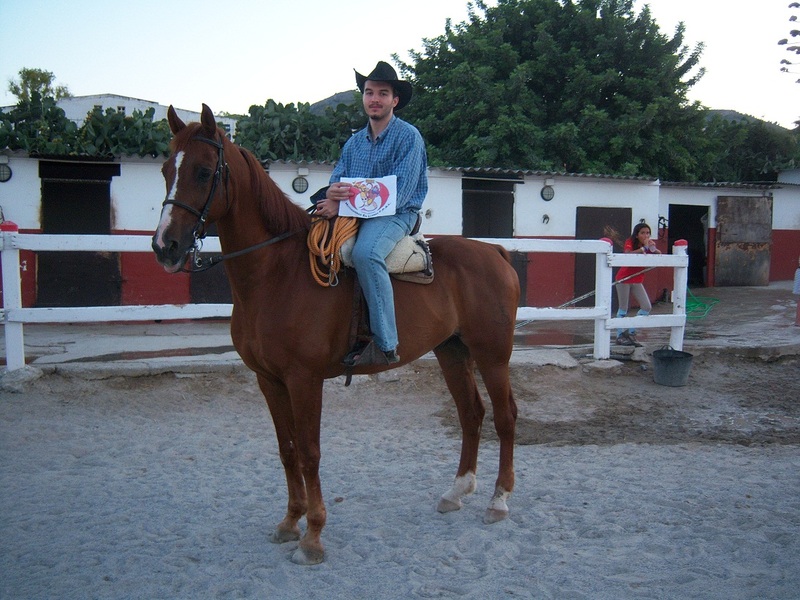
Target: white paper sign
column 370, row 197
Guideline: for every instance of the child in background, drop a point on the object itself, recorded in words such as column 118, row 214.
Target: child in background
column 796, row 290
column 639, row 243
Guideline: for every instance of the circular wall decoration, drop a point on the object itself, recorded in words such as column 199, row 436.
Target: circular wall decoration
column 5, row 173
column 547, row 193
column 300, row 184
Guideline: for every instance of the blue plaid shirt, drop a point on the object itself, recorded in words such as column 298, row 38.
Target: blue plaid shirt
column 399, row 150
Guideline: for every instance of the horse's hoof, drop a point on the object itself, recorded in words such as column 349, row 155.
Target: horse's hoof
column 493, row 515
column 498, row 507
column 446, row 506
column 463, row 486
column 306, row 557
column 281, row 536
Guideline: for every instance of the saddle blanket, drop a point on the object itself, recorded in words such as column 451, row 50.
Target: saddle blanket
column 410, row 255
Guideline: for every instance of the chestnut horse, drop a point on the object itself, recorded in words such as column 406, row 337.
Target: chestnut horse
column 294, row 333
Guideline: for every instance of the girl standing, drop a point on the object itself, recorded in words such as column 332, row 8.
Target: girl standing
column 639, row 243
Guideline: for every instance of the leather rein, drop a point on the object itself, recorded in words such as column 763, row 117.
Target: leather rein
column 199, row 232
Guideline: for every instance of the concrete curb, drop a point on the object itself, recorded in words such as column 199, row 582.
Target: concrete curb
column 561, row 357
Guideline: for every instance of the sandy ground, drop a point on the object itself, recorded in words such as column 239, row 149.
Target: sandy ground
column 168, row 487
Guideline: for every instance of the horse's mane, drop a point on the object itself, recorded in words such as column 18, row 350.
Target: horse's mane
column 279, row 213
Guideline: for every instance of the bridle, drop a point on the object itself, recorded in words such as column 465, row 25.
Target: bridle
column 199, row 230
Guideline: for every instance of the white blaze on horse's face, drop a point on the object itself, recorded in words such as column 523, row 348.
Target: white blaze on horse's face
column 178, row 161
column 166, row 211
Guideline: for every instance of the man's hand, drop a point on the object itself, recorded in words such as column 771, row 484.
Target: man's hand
column 328, row 207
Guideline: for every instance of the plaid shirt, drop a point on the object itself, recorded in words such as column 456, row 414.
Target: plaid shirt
column 399, row 150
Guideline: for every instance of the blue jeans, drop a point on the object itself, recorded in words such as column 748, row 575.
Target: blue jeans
column 376, row 239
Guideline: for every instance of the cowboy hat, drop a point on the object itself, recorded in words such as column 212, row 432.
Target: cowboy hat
column 384, row 72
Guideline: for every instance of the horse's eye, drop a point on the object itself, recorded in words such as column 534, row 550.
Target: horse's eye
column 204, row 175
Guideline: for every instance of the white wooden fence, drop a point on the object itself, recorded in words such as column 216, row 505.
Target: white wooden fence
column 14, row 316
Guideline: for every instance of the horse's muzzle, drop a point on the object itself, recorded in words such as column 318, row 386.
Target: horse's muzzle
column 169, row 254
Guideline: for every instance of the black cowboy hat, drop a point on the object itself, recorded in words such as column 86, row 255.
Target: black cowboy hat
column 384, row 72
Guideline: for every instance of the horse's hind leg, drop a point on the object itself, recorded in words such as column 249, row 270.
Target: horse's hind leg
column 456, row 364
column 497, row 381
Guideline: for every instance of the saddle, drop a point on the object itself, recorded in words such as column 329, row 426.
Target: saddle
column 410, row 260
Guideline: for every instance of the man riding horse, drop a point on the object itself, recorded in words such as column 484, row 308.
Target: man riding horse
column 386, row 146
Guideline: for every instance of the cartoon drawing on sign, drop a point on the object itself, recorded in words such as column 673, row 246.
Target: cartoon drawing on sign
column 369, row 197
column 372, row 196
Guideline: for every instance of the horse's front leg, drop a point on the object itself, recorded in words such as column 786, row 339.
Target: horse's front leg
column 305, row 391
column 280, row 408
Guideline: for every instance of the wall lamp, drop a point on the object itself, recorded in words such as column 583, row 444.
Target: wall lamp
column 548, row 192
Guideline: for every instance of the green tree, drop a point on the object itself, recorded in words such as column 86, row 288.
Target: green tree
column 747, row 150
column 114, row 133
column 41, row 127
column 32, row 81
column 580, row 86
column 38, row 126
column 288, row 132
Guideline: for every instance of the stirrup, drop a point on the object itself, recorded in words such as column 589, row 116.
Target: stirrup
column 367, row 355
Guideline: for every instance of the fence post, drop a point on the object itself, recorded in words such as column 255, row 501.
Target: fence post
column 680, row 284
column 12, row 296
column 602, row 298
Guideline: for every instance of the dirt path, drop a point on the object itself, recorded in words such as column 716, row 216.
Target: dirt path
column 727, row 400
column 168, row 486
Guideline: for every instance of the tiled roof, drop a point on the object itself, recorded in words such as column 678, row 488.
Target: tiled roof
column 523, row 172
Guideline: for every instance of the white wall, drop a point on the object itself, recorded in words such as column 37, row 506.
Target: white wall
column 20, row 196
column 785, row 205
column 317, row 176
column 444, row 203
column 572, row 192
column 692, row 196
column 786, row 208
column 443, row 199
column 137, row 194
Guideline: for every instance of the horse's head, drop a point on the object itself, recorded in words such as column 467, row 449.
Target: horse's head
column 196, row 177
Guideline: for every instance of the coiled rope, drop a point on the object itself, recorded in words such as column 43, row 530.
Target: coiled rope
column 325, row 240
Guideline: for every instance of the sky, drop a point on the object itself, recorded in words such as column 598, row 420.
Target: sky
column 237, row 53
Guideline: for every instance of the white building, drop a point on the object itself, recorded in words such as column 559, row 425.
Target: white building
column 77, row 107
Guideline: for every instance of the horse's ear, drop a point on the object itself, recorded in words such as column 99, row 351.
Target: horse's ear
column 208, row 121
column 175, row 123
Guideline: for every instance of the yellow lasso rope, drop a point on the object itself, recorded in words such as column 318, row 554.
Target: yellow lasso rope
column 324, row 245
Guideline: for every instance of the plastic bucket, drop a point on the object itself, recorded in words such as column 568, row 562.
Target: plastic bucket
column 671, row 367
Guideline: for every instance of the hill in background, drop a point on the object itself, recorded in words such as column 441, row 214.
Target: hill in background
column 348, row 97
column 737, row 117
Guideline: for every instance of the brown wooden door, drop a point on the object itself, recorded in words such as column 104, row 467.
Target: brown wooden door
column 487, row 210
column 76, row 199
column 593, row 223
column 744, row 240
